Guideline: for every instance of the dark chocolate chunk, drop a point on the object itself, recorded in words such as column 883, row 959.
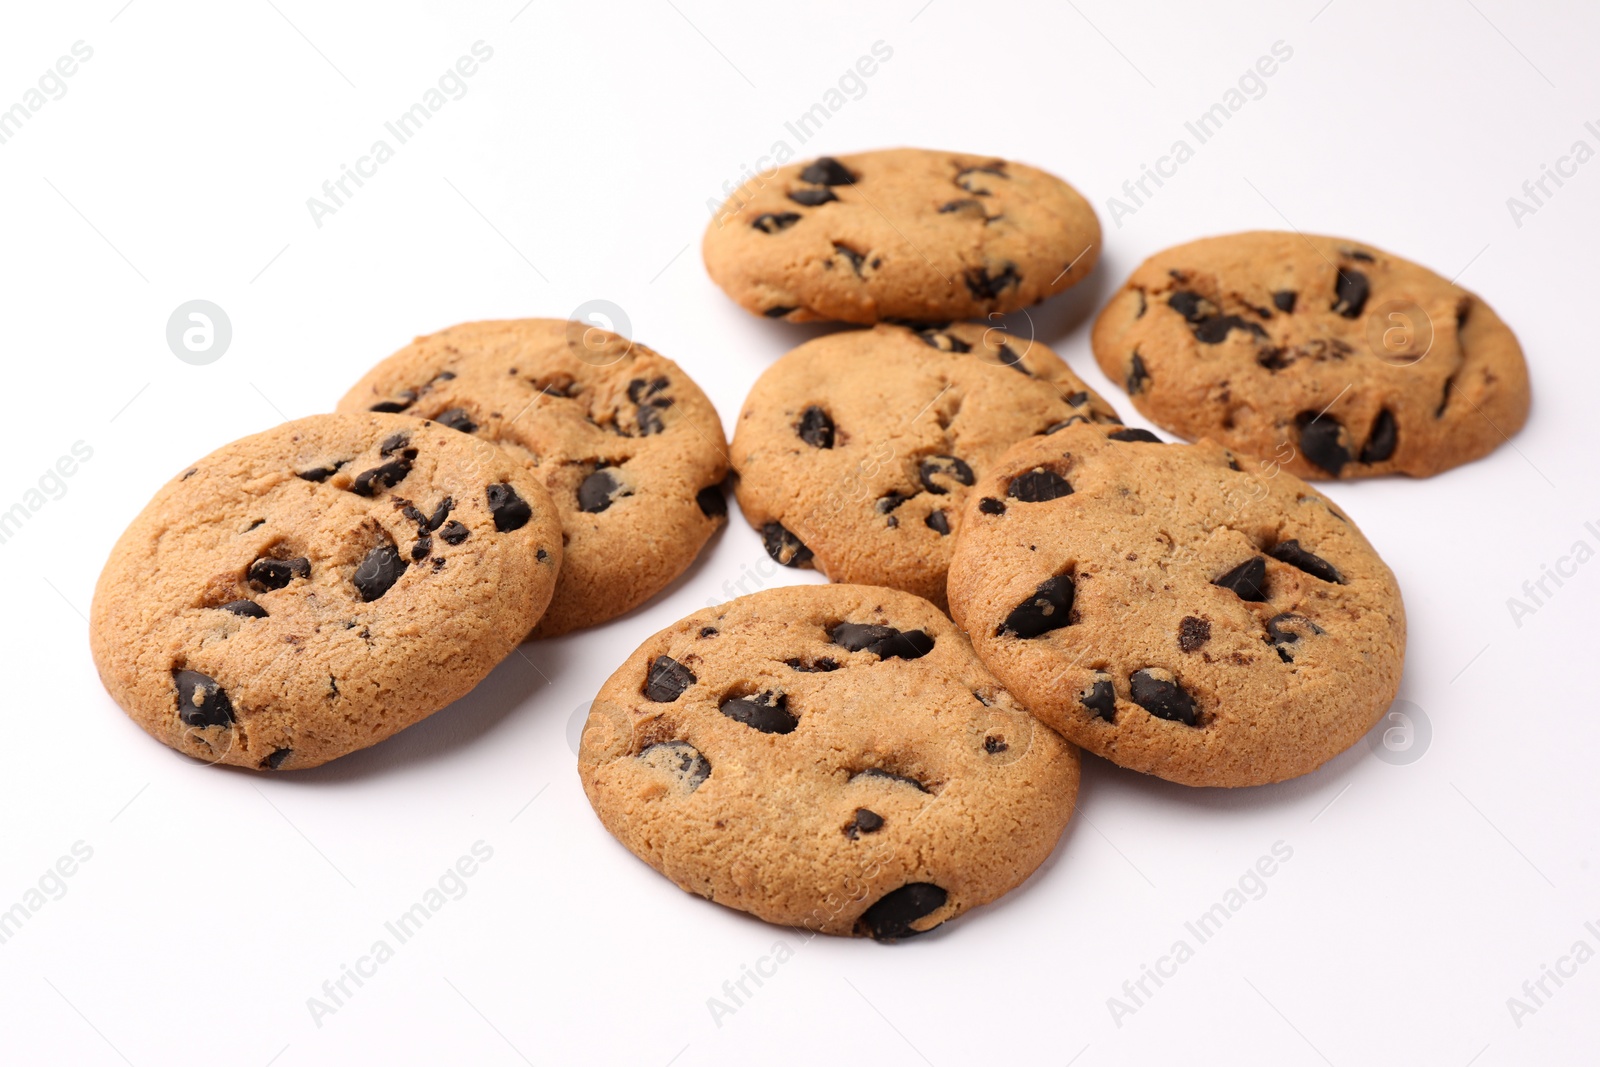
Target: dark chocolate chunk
column 885, row 642
column 713, row 505
column 510, row 511
column 767, row 712
column 1134, row 435
column 384, row 476
column 1273, row 357
column 456, row 419
column 1248, row 580
column 597, row 492
column 201, row 701
column 453, row 533
column 276, row 758
column 944, row 342
column 1280, row 637
column 865, row 822
column 639, row 389
column 816, row 666
column 1192, row 633
column 1138, row 377
column 1356, row 253
column 825, row 170
column 395, row 442
column 891, row 917
column 777, row 312
column 376, row 573
column 421, row 548
column 1215, row 331
column 391, row 407
column 969, row 206
column 667, row 679
column 815, row 427
column 1350, row 293
column 248, row 609
column 321, row 474
column 784, row 546
column 1382, row 438
column 1320, row 441
column 1100, row 698
column 855, row 258
column 1163, row 699
column 812, row 197
column 441, row 513
column 990, row 506
column 985, row 286
column 1291, row 553
column 965, row 180
column 939, row 522
column 1192, row 306
column 1283, row 300
column 878, row 773
column 943, row 467
column 1037, row 486
column 681, row 760
column 890, row 500
column 773, row 222
column 1049, row 608
column 268, row 574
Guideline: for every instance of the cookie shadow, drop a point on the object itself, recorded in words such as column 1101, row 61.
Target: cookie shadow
column 1058, row 319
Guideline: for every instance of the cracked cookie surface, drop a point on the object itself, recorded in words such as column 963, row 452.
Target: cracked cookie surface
column 629, row 447
column 311, row 590
column 904, row 234
column 1175, row 610
column 856, row 452
column 832, row 757
column 1337, row 359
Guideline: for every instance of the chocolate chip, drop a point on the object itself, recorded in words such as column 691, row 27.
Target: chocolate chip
column 394, row 443
column 1163, row 699
column 681, row 760
column 667, row 679
column 378, row 572
column 1215, row 331
column 1279, row 637
column 855, row 258
column 201, row 701
column 1319, row 440
column 812, row 197
column 817, row 666
column 777, row 312
column 943, row 467
column 1049, row 608
column 1134, row 435
column 394, row 407
column 985, row 286
column 441, row 513
column 384, row 476
column 990, row 506
column 1138, row 377
column 321, row 474
column 423, row 546
column 247, row 609
column 1192, row 306
column 774, row 222
column 639, row 389
column 944, row 342
column 1291, row 553
column 1356, row 253
column 276, row 758
column 1273, row 357
column 648, row 417
column 510, row 511
column 1382, row 438
column 885, row 642
column 891, row 917
column 864, row 822
column 456, row 419
column 596, row 492
column 767, row 712
column 825, row 170
column 889, row 501
column 889, row 776
column 268, row 574
column 1350, row 293
column 713, row 505
column 453, row 533
column 1283, row 300
column 964, row 205
column 1100, row 698
column 1192, row 633
column 1008, row 357
column 939, row 522
column 1037, row 486
column 815, row 427
column 965, row 180
column 1248, row 580
column 784, row 546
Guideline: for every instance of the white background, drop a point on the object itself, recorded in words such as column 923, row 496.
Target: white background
column 1420, row 895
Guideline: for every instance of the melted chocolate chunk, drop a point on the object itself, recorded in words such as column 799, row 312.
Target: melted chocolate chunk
column 1320, row 441
column 1248, row 580
column 815, row 427
column 1381, row 440
column 1350, row 293
column 713, row 505
column 891, row 917
column 1215, row 331
column 597, row 492
column 321, row 474
column 201, row 701
column 681, row 760
column 1037, row 486
column 667, row 679
column 784, row 546
column 510, row 511
column 885, row 642
column 1163, row 699
column 385, row 475
column 942, row 467
column 378, row 571
column 774, row 222
column 1049, row 608
column 825, row 170
column 1100, row 698
column 1291, row 553
column 767, row 712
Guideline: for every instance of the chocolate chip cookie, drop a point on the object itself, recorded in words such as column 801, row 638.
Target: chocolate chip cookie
column 311, row 590
column 905, row 234
column 1176, row 608
column 832, row 757
column 856, row 451
column 1336, row 359
column 630, row 448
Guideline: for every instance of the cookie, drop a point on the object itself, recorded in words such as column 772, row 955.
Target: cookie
column 856, row 451
column 1333, row 358
column 630, row 448
column 905, row 234
column 829, row 756
column 311, row 590
column 1177, row 609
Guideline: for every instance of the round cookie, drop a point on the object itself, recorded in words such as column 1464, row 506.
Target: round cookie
column 1331, row 357
column 831, row 757
column 856, row 451
column 904, row 234
column 630, row 448
column 1174, row 613
column 311, row 590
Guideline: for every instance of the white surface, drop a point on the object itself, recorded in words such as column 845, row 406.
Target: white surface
column 577, row 166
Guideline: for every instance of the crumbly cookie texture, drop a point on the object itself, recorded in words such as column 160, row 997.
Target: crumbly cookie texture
column 1175, row 610
column 311, row 590
column 904, row 234
column 1335, row 359
column 829, row 756
column 856, row 452
column 630, row 449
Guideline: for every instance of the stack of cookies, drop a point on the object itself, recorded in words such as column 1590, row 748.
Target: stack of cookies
column 1018, row 573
